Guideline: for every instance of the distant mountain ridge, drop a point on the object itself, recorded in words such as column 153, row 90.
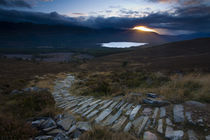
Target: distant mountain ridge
column 30, row 35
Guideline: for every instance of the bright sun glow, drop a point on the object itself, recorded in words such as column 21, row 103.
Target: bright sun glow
column 144, row 28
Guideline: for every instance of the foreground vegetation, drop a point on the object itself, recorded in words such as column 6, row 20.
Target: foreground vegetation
column 16, row 110
column 173, row 87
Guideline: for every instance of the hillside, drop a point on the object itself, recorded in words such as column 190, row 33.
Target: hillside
column 186, row 55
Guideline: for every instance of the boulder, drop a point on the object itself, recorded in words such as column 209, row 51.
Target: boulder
column 149, row 136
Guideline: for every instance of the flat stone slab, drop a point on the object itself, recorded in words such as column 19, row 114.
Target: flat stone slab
column 89, row 110
column 92, row 114
column 119, row 105
column 192, row 135
column 147, row 111
column 195, row 103
column 149, row 136
column 160, row 126
column 128, row 107
column 162, row 112
column 66, row 123
column 86, row 126
column 103, row 115
column 105, row 105
column 208, row 137
column 113, row 104
column 168, row 122
column 113, row 118
column 189, row 117
column 173, row 135
column 134, row 112
column 144, row 122
column 117, row 126
column 154, row 116
column 178, row 112
column 127, row 127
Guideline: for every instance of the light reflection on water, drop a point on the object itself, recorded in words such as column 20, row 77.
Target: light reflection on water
column 122, row 44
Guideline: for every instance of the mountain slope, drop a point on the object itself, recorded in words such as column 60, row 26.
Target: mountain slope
column 177, row 56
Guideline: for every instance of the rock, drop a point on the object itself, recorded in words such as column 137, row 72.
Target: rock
column 55, row 131
column 134, row 112
column 37, row 123
column 105, row 105
column 162, row 112
column 66, row 122
column 48, row 124
column 119, row 105
column 200, row 121
column 149, row 136
column 155, row 102
column 173, row 135
column 61, row 136
column 73, row 128
column 147, row 111
column 137, row 122
column 135, row 94
column 14, row 92
column 46, row 137
column 192, row 135
column 195, row 103
column 168, row 122
column 160, row 126
column 127, row 127
column 117, row 126
column 85, row 126
column 152, row 95
column 178, row 112
column 113, row 118
column 76, row 134
column 143, row 124
column 103, row 115
column 154, row 116
column 208, row 137
column 92, row 114
column 189, row 117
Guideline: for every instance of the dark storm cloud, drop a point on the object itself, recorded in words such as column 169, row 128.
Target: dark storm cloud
column 196, row 18
column 15, row 3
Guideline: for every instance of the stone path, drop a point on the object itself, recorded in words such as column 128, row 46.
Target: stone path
column 117, row 114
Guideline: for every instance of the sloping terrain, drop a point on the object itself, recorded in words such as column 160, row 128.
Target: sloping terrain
column 187, row 55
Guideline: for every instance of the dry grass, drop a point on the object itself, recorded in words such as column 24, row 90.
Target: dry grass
column 181, row 88
column 101, row 133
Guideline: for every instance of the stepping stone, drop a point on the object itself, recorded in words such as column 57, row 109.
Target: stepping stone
column 92, row 114
column 127, row 127
column 117, row 126
column 173, row 135
column 122, row 107
column 89, row 110
column 105, row 105
column 147, row 111
column 95, row 102
column 85, row 126
column 162, row 112
column 113, row 104
column 134, row 112
column 137, row 122
column 208, row 137
column 154, row 116
column 128, row 107
column 192, row 135
column 178, row 111
column 103, row 115
column 189, row 117
column 113, row 118
column 168, row 122
column 149, row 136
column 141, row 128
column 119, row 105
column 160, row 126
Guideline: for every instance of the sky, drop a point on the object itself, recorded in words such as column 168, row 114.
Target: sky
column 172, row 17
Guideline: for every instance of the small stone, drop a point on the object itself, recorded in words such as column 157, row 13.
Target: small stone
column 195, row 103
column 46, row 137
column 85, row 126
column 160, row 126
column 149, row 136
column 152, row 95
column 178, row 111
column 61, row 136
column 208, row 137
column 192, row 135
column 147, row 111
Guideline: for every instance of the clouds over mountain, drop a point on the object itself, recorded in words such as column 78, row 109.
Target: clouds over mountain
column 194, row 18
column 15, row 3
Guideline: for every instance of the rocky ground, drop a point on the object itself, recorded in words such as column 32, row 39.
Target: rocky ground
column 152, row 120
